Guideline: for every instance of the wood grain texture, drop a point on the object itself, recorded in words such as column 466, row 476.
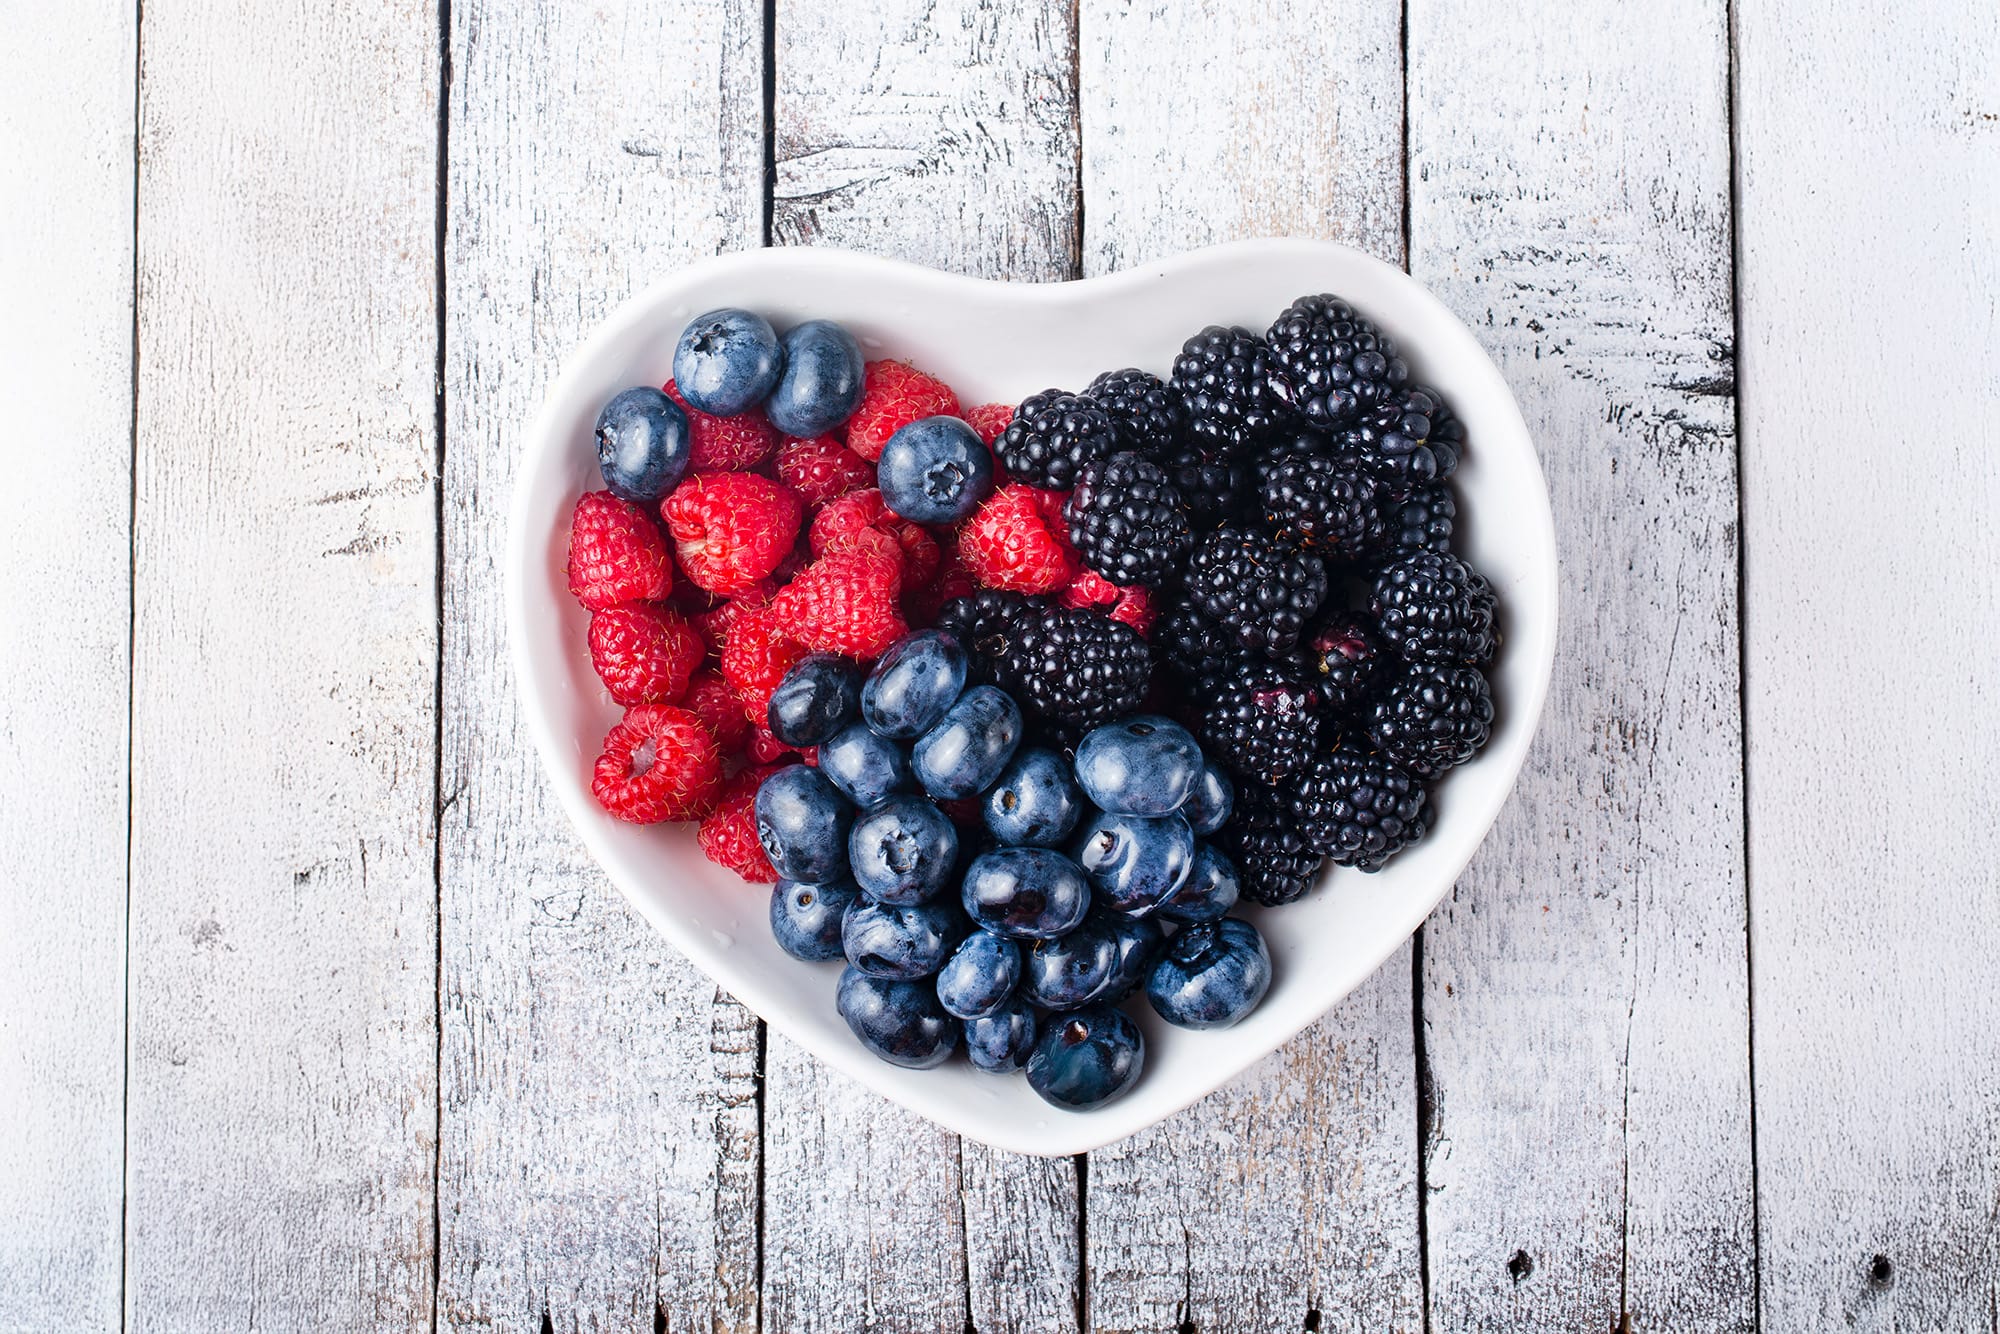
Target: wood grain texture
column 67, row 120
column 283, row 1048
column 600, row 1114
column 1869, row 227
column 1584, row 989
column 1288, row 1199
column 943, row 133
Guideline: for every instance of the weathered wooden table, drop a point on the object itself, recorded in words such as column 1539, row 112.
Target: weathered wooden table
column 314, row 1016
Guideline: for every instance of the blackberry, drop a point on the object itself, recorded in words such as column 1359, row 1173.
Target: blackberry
column 1432, row 717
column 1078, row 669
column 989, row 623
column 1127, row 522
column 1235, row 395
column 1342, row 659
column 1261, row 722
column 1422, row 519
column 1148, row 413
column 1358, row 808
column 1338, row 364
column 1211, row 485
column 1198, row 650
column 1433, row 607
column 1052, row 436
column 1325, row 505
column 1297, row 444
column 1260, row 587
column 1409, row 438
column 1272, row 860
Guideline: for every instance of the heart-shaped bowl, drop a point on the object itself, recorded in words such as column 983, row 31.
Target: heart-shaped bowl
column 998, row 341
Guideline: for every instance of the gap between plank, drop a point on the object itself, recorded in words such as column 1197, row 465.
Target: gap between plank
column 131, row 697
column 437, row 703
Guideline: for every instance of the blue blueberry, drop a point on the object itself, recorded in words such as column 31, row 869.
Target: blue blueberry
column 865, row 766
column 820, row 386
column 902, row 850
column 802, row 821
column 643, row 444
column 901, row 941
column 727, row 361
column 913, row 684
column 901, row 1022
column 935, row 470
column 980, row 975
column 1002, row 1041
column 1086, row 1059
column 817, row 698
column 1209, row 891
column 1143, row 765
column 805, row 919
column 1209, row 805
column 1211, row 975
column 1140, row 940
column 1025, row 893
column 1073, row 970
column 1035, row 802
column 970, row 745
column 1134, row 862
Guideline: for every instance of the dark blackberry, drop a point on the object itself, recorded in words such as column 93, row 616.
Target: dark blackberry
column 1357, row 808
column 1409, row 438
column 1147, row 412
column 1235, row 396
column 1432, row 607
column 989, row 624
column 1211, row 485
column 1342, row 659
column 1324, row 505
column 1260, row 722
column 1197, row 649
column 1432, row 717
column 1080, row 669
column 1127, row 522
column 1338, row 364
column 1422, row 519
column 1282, row 449
column 1259, row 586
column 1052, row 436
column 1272, row 860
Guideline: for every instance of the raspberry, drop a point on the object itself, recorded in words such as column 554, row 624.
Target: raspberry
column 988, row 420
column 821, row 468
column 894, row 394
column 710, row 699
column 765, row 748
column 725, row 444
column 615, row 553
column 755, row 658
column 644, row 654
column 732, row 528
column 1129, row 606
column 659, row 763
column 952, row 580
column 716, row 622
column 841, row 524
column 728, row 834
column 844, row 602
column 1017, row 540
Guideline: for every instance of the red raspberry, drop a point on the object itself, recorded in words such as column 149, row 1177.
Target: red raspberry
column 844, row 602
column 615, row 553
column 952, row 580
column 1017, row 540
column 732, row 528
column 894, row 394
column 1132, row 606
column 658, row 764
column 1135, row 608
column 643, row 653
column 725, row 444
column 710, row 699
column 716, row 622
column 821, row 468
column 728, row 835
column 988, row 420
column 756, row 657
column 843, row 523
column 765, row 748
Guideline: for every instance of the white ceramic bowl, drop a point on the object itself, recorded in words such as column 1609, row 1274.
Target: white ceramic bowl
column 1002, row 341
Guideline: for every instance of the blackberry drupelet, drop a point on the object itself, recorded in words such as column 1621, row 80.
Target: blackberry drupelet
column 1283, row 448
column 1148, row 413
column 1358, row 808
column 1235, row 395
column 1432, row 717
column 1127, row 522
column 1272, row 860
column 1196, row 649
column 989, row 624
column 1342, row 659
column 1262, row 588
column 1212, row 486
column 1409, row 438
column 1324, row 505
column 1260, row 722
column 1079, row 669
column 1433, row 607
column 1052, row 436
column 1339, row 365
column 1422, row 519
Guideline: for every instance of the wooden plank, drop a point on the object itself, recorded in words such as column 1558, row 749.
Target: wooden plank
column 1584, row 988
column 1869, row 223
column 67, row 117
column 943, row 133
column 600, row 1118
column 1288, row 1199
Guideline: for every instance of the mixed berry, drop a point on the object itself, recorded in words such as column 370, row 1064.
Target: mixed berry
column 1014, row 706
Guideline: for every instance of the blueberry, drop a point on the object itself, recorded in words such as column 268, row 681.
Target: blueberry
column 865, row 766
column 1135, row 862
column 901, row 1022
column 1138, row 766
column 1035, row 801
column 1025, row 893
column 914, row 683
column 1086, row 1059
column 935, row 470
column 980, row 975
column 821, row 383
column 817, row 698
column 805, row 919
column 1209, row 805
column 902, row 850
column 727, row 361
column 1002, row 1041
column 643, row 444
column 1210, row 890
column 901, row 941
column 1072, row 970
column 1140, row 940
column 1212, row 974
column 970, row 745
column 802, row 821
